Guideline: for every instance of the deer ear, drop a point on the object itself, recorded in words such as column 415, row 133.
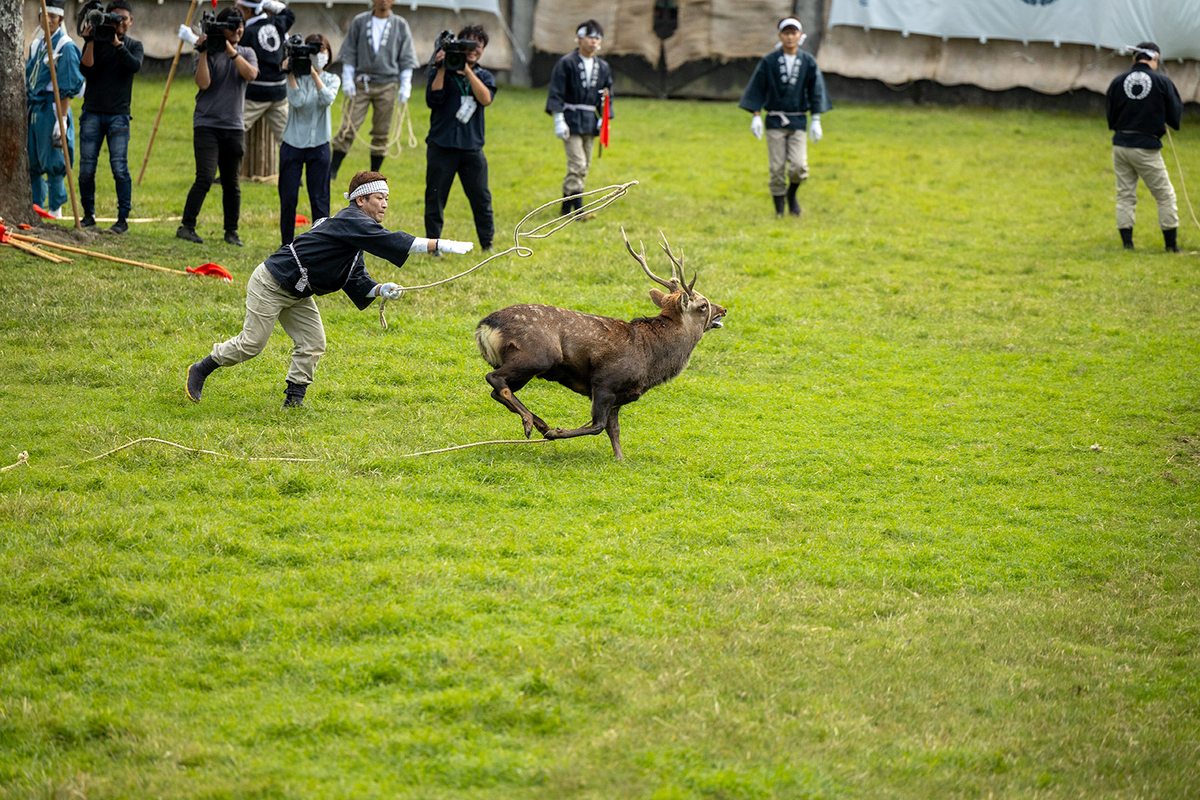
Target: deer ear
column 657, row 297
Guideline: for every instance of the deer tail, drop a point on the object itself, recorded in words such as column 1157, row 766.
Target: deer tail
column 488, row 340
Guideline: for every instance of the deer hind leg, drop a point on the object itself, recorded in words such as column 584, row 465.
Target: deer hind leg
column 503, row 385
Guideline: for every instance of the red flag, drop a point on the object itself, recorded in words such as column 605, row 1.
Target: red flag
column 604, row 121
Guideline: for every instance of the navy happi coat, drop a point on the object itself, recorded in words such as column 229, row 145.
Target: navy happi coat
column 785, row 97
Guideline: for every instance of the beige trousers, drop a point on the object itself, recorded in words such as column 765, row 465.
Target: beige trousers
column 579, row 160
column 368, row 94
column 1131, row 163
column 787, row 158
column 266, row 302
column 276, row 112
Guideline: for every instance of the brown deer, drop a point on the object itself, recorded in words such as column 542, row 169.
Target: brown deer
column 609, row 360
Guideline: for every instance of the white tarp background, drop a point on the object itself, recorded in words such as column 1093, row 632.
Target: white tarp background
column 1173, row 24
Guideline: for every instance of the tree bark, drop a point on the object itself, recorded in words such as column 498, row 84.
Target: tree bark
column 16, row 202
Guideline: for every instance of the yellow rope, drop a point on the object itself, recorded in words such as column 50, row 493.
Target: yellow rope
column 190, row 450
column 1182, row 185
column 23, row 458
column 404, row 117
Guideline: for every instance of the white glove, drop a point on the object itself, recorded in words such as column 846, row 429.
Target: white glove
column 756, row 126
column 405, row 90
column 348, row 80
column 57, row 133
column 274, row 6
column 388, row 291
column 814, row 128
column 187, row 34
column 561, row 129
column 451, row 246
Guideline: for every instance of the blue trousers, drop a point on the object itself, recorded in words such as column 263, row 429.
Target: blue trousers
column 46, row 165
column 293, row 161
column 93, row 130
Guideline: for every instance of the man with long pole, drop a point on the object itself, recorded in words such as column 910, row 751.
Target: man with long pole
column 50, row 123
column 167, row 91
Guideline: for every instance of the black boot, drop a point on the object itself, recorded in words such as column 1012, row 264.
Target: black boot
column 792, row 203
column 1126, row 237
column 1169, row 240
column 196, row 375
column 778, row 204
column 293, row 396
column 376, row 162
column 334, row 162
column 567, row 206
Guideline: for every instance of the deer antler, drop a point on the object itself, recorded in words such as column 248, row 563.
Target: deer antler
column 642, row 260
column 678, row 262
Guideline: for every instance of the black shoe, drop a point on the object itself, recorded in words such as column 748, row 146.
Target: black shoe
column 567, row 207
column 196, row 375
column 88, row 221
column 376, row 162
column 792, row 203
column 231, row 237
column 293, row 396
column 1126, row 237
column 188, row 234
column 334, row 163
column 778, row 204
column 1169, row 240
column 120, row 226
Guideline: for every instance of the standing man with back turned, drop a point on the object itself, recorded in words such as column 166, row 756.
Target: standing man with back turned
column 1141, row 104
column 787, row 83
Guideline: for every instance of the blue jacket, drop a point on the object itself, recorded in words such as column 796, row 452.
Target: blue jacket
column 66, row 68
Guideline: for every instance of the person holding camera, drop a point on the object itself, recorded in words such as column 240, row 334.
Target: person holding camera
column 266, row 96
column 111, row 57
column 223, row 70
column 47, row 168
column 578, row 85
column 326, row 259
column 457, row 93
column 378, row 59
column 305, row 145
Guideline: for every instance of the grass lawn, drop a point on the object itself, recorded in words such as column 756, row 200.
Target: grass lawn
column 919, row 522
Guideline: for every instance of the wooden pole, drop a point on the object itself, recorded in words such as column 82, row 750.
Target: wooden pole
column 167, row 91
column 28, row 248
column 92, row 253
column 57, row 100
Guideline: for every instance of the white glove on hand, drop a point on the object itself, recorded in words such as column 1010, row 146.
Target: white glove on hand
column 187, row 34
column 274, row 6
column 348, row 80
column 389, row 291
column 451, row 246
column 57, row 133
column 405, row 90
column 814, row 129
column 561, row 129
column 756, row 126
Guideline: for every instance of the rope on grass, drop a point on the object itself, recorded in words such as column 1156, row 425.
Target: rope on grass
column 190, row 450
column 477, row 444
column 610, row 195
column 23, row 458
column 1182, row 185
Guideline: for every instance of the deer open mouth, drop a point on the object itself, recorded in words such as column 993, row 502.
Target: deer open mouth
column 717, row 322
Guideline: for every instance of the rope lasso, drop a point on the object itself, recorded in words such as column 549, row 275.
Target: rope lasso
column 190, row 450
column 614, row 192
column 1182, row 184
column 399, row 119
column 23, row 458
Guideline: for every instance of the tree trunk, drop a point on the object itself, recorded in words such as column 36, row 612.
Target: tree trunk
column 16, row 202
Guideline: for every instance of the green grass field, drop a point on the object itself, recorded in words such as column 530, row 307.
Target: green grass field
column 919, row 522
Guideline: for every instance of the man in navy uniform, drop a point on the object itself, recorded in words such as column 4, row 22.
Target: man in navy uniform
column 787, row 84
column 578, row 85
column 266, row 95
column 1141, row 103
column 325, row 259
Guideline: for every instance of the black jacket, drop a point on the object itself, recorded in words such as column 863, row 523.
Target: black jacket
column 580, row 102
column 1141, row 103
column 266, row 35
column 110, row 78
column 331, row 253
column 444, row 128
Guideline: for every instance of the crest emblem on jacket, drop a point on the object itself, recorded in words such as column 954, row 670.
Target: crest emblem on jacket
column 1137, row 85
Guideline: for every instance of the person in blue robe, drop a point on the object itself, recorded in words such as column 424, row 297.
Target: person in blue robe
column 47, row 168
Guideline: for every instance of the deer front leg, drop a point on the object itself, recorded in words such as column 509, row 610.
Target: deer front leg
column 601, row 408
column 502, row 393
column 613, row 429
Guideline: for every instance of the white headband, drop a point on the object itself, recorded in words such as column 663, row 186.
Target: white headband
column 1142, row 50
column 584, row 30
column 791, row 21
column 367, row 188
column 55, row 10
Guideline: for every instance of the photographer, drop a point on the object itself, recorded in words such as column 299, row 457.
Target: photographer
column 305, row 143
column 46, row 128
column 267, row 94
column 377, row 63
column 111, row 57
column 578, row 85
column 223, row 69
column 456, row 128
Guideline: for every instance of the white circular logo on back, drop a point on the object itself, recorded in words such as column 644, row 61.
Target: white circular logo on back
column 1137, row 85
column 268, row 38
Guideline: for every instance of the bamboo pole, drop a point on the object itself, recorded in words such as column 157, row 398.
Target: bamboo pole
column 22, row 238
column 167, row 91
column 28, row 248
column 57, row 101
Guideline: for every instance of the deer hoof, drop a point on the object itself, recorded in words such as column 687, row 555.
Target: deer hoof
column 552, row 433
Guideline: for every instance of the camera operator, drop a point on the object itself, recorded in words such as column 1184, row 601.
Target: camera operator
column 454, row 145
column 46, row 128
column 223, row 70
column 305, row 145
column 377, row 63
column 109, row 64
column 267, row 94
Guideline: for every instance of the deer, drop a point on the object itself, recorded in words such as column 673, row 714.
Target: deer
column 608, row 360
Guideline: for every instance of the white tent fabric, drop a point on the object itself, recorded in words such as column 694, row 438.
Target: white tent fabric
column 1173, row 24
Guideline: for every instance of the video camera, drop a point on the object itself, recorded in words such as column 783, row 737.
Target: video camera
column 103, row 23
column 455, row 49
column 300, row 55
column 215, row 29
